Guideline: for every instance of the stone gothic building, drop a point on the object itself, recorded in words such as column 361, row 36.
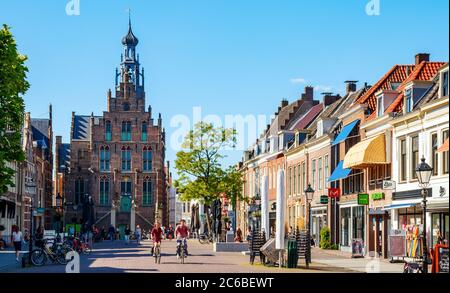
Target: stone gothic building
column 116, row 173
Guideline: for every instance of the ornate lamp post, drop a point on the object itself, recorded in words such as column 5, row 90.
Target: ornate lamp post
column 309, row 194
column 424, row 172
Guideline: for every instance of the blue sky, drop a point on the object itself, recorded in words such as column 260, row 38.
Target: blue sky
column 227, row 56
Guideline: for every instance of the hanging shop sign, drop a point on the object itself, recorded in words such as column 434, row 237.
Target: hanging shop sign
column 363, row 199
column 334, row 192
column 324, row 199
column 388, row 184
column 378, row 196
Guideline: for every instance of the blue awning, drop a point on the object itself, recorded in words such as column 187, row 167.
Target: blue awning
column 345, row 132
column 339, row 172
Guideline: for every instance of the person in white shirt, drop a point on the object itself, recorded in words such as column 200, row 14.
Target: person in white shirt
column 17, row 240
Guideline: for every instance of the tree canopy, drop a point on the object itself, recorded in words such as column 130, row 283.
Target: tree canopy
column 13, row 84
column 199, row 165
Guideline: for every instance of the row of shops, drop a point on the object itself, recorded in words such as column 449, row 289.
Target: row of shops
column 359, row 154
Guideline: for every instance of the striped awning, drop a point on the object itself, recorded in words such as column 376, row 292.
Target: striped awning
column 369, row 152
column 444, row 147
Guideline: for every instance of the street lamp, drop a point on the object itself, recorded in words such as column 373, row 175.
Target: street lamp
column 309, row 194
column 59, row 209
column 423, row 172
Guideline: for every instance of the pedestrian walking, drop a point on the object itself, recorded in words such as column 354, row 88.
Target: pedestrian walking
column 138, row 234
column 17, row 239
column 127, row 234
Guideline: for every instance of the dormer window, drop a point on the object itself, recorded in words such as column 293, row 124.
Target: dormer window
column 409, row 104
column 444, row 84
column 380, row 106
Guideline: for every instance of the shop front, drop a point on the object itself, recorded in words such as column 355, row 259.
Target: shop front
column 352, row 221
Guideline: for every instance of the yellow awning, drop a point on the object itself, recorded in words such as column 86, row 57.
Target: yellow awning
column 368, row 152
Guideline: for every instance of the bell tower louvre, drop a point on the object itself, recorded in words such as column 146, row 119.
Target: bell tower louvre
column 117, row 175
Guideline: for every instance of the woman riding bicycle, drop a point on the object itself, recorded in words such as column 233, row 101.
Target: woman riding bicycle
column 156, row 235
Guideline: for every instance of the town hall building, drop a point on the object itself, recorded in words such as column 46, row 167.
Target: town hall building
column 116, row 175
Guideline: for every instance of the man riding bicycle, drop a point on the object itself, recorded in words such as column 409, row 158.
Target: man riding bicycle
column 181, row 234
column 156, row 235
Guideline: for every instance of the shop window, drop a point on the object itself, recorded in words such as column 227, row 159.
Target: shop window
column 345, row 226
column 358, row 222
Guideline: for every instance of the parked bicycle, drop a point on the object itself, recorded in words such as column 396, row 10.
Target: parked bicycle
column 205, row 238
column 56, row 253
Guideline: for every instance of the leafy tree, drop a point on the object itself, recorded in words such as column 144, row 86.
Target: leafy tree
column 325, row 238
column 13, row 84
column 199, row 167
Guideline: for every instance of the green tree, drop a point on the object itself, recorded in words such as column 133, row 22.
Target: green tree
column 201, row 175
column 13, row 84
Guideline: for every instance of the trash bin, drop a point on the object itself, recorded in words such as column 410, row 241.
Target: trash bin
column 292, row 254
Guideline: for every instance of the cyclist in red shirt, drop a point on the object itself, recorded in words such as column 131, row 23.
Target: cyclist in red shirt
column 181, row 234
column 156, row 235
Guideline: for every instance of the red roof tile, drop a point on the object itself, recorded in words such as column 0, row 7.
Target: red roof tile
column 424, row 71
column 397, row 74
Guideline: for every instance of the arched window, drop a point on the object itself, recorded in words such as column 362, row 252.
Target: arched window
column 144, row 131
column 147, row 159
column 105, row 158
column 126, row 158
column 108, row 131
column 126, row 131
column 147, row 192
column 79, row 190
column 104, row 191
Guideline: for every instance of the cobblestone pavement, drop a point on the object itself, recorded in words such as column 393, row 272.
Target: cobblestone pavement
column 117, row 257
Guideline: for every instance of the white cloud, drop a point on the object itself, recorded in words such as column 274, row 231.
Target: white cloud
column 298, row 80
column 323, row 88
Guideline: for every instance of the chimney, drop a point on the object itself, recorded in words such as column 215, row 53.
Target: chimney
column 422, row 57
column 284, row 103
column 350, row 86
column 329, row 98
column 309, row 94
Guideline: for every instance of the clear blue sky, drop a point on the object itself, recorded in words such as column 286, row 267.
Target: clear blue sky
column 227, row 56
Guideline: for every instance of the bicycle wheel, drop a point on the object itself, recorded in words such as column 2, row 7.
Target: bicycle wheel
column 38, row 257
column 181, row 254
